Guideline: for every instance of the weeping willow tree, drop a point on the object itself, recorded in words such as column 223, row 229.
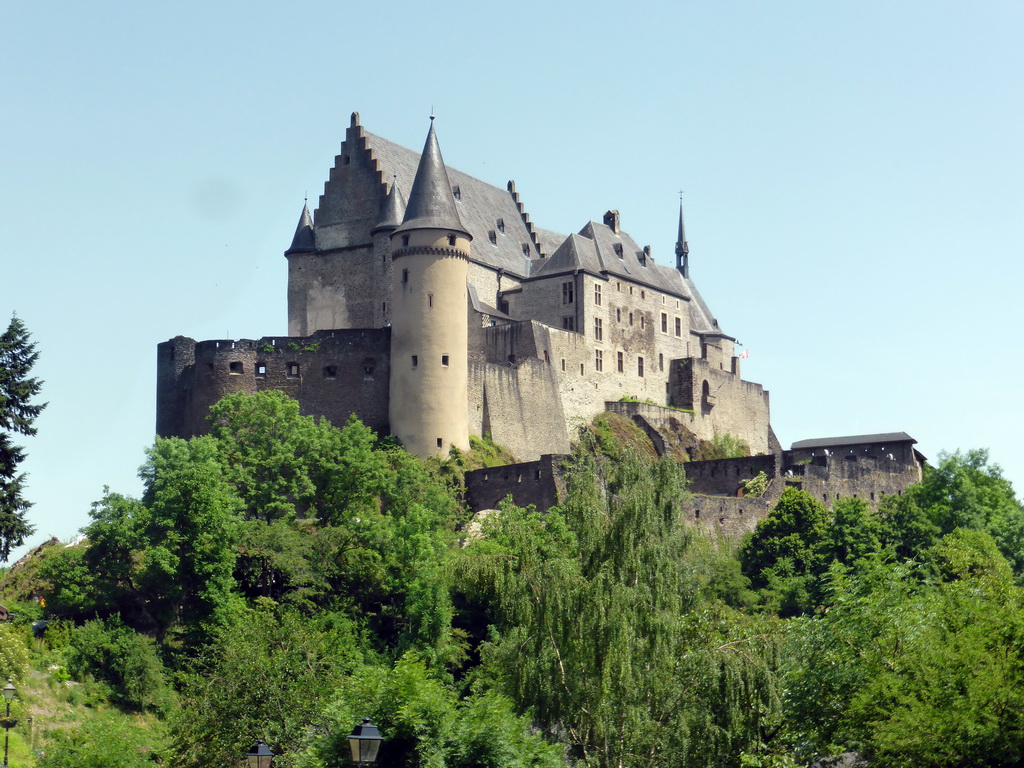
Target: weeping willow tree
column 605, row 628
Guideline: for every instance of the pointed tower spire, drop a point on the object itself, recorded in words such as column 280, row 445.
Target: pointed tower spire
column 431, row 202
column 682, row 247
column 303, row 242
column 392, row 209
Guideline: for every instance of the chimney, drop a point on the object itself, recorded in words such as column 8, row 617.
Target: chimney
column 611, row 220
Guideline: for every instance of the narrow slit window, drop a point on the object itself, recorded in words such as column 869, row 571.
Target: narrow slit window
column 415, row 360
column 440, row 443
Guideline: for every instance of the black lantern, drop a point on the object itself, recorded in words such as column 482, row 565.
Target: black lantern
column 365, row 741
column 259, row 756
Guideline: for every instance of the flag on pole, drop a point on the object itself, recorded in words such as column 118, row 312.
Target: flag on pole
column 745, row 353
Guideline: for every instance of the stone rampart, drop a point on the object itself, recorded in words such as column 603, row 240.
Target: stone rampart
column 538, row 483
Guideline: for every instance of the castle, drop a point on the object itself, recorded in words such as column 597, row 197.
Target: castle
column 429, row 304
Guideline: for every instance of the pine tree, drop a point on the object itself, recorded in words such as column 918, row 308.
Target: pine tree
column 17, row 415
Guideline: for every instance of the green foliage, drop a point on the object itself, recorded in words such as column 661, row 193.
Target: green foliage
column 14, row 655
column 616, row 437
column 104, row 742
column 911, row 671
column 425, row 725
column 756, row 485
column 788, row 551
column 267, row 674
column 17, row 416
column 605, row 627
column 722, row 446
column 966, row 491
column 128, row 662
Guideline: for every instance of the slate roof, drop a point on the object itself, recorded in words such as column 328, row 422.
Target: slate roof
column 835, row 442
column 490, row 213
column 303, row 241
column 392, row 210
column 431, row 203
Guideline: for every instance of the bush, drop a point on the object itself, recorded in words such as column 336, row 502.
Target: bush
column 128, row 662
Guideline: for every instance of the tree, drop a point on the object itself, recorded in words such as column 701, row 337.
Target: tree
column 605, row 628
column 17, row 416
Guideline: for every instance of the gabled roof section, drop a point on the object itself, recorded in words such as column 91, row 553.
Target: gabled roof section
column 576, row 253
column 835, row 442
column 303, row 241
column 431, row 201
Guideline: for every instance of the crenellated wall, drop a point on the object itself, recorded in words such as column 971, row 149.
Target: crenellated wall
column 331, row 373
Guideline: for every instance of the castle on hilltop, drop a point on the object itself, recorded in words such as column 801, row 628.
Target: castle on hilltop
column 429, row 304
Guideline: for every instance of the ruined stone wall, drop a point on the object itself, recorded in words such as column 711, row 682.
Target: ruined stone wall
column 723, row 401
column 538, row 483
column 841, row 476
column 331, row 374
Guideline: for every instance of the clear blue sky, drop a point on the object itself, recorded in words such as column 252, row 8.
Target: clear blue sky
column 853, row 176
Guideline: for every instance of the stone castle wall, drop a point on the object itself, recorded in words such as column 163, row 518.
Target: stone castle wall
column 331, row 373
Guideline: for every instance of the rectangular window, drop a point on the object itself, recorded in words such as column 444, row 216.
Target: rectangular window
column 598, row 360
column 679, row 327
column 597, row 295
column 598, row 328
column 643, row 295
column 430, row 299
column 444, row 360
column 567, row 293
column 405, row 275
column 235, row 368
column 643, row 319
column 569, row 323
column 664, row 323
column 621, row 362
column 630, row 318
column 618, row 315
column 661, row 362
column 261, row 370
column 639, row 366
column 415, row 360
column 440, row 443
column 293, row 370
column 563, row 365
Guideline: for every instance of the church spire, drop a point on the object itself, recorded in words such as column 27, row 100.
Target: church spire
column 303, row 241
column 431, row 202
column 682, row 247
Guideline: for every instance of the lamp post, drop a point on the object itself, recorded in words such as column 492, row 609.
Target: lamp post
column 9, row 692
column 365, row 741
column 259, row 756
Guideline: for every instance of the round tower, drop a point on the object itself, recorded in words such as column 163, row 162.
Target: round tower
column 429, row 402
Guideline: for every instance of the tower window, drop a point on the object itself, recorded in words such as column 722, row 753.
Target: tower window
column 581, row 369
column 415, row 360
column 597, row 295
column 664, row 323
column 330, row 371
column 261, row 370
column 440, row 443
column 444, row 360
column 642, row 320
column 405, row 240
column 621, row 362
column 598, row 360
column 563, row 365
column 643, row 295
column 235, row 368
column 630, row 318
column 293, row 370
column 451, row 240
column 567, row 293
column 661, row 362
column 405, row 275
column 430, row 299
column 639, row 366
column 569, row 323
column 598, row 329
column 618, row 315
column 679, row 327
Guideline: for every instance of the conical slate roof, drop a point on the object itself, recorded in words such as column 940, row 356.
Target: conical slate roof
column 431, row 203
column 392, row 210
column 303, row 242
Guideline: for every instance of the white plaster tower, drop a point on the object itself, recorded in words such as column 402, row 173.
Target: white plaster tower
column 429, row 401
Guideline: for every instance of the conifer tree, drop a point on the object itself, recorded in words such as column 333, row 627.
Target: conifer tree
column 17, row 416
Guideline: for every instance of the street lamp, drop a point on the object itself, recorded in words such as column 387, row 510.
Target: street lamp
column 259, row 756
column 9, row 692
column 365, row 741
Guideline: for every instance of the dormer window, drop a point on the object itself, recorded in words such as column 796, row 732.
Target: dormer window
column 456, row 192
column 526, row 249
column 493, row 237
column 618, row 249
column 501, row 226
